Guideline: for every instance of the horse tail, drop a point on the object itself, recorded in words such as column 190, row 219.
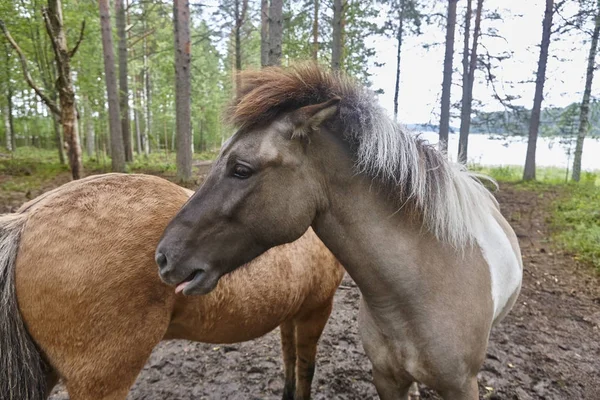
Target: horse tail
column 22, row 374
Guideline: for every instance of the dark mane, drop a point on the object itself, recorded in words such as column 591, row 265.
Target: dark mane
column 268, row 92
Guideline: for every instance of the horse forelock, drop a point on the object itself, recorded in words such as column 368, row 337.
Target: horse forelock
column 452, row 202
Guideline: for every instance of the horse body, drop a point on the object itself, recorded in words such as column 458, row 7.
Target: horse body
column 94, row 305
column 427, row 309
column 423, row 239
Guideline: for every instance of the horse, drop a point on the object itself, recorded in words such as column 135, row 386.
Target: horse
column 423, row 238
column 81, row 299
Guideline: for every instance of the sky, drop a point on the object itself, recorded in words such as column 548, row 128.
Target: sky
column 421, row 69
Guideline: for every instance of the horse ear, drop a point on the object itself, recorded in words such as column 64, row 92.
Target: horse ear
column 309, row 118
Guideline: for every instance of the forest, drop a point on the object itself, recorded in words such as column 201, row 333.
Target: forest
column 504, row 88
column 127, row 49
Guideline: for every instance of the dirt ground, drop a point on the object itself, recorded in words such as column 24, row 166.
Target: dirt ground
column 547, row 348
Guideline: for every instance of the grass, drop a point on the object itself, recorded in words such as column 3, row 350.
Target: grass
column 574, row 217
column 29, row 167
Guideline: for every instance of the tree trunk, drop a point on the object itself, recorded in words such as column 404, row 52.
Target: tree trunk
column 336, row 46
column 148, row 98
column 469, row 65
column 136, row 117
column 240, row 16
column 64, row 85
column 447, row 82
column 264, row 33
column 398, row 57
column 58, row 138
column 90, row 135
column 275, row 31
column 315, row 31
column 534, row 122
column 8, row 111
column 116, row 138
column 181, row 19
column 123, row 84
column 585, row 102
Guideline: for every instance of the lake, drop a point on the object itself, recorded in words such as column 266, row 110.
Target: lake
column 492, row 150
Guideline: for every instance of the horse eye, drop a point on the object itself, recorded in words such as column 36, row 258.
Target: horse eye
column 241, row 171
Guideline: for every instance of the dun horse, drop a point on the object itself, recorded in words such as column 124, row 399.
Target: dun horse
column 436, row 262
column 91, row 307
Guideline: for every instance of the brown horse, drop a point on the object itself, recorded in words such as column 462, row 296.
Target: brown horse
column 436, row 262
column 80, row 262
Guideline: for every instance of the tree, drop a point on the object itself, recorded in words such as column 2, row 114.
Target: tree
column 181, row 22
column 585, row 102
column 447, row 81
column 264, row 33
column 469, row 65
column 275, row 31
column 240, row 11
column 123, row 84
column 53, row 20
column 116, row 138
column 7, row 111
column 338, row 31
column 315, row 31
column 534, row 122
column 404, row 18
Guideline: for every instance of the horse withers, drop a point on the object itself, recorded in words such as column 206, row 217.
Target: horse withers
column 436, row 262
column 79, row 263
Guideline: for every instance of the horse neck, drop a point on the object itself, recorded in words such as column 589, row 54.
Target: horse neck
column 377, row 243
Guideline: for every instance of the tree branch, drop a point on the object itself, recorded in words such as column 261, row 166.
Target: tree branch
column 50, row 31
column 141, row 37
column 72, row 52
column 51, row 104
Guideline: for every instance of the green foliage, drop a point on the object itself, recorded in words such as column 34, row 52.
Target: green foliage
column 576, row 221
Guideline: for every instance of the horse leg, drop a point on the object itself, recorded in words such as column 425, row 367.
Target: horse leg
column 308, row 331
column 389, row 388
column 469, row 391
column 288, row 346
column 99, row 381
column 413, row 393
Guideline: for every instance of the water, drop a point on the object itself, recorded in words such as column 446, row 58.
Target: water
column 494, row 151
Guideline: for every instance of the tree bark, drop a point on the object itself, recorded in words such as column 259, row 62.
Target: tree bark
column 123, row 84
column 116, row 138
column 275, row 31
column 336, row 46
column 264, row 33
column 469, row 66
column 136, row 117
column 181, row 19
column 398, row 57
column 534, row 122
column 447, row 82
column 315, row 31
column 147, row 98
column 240, row 16
column 585, row 102
column 68, row 116
column 8, row 111
column 90, row 135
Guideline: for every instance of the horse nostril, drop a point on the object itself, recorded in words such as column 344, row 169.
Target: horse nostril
column 161, row 260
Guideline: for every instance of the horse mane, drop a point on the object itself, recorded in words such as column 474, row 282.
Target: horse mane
column 452, row 202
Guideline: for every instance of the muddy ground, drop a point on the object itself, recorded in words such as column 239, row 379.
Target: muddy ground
column 547, row 348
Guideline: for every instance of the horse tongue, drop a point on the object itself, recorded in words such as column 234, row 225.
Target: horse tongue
column 181, row 286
